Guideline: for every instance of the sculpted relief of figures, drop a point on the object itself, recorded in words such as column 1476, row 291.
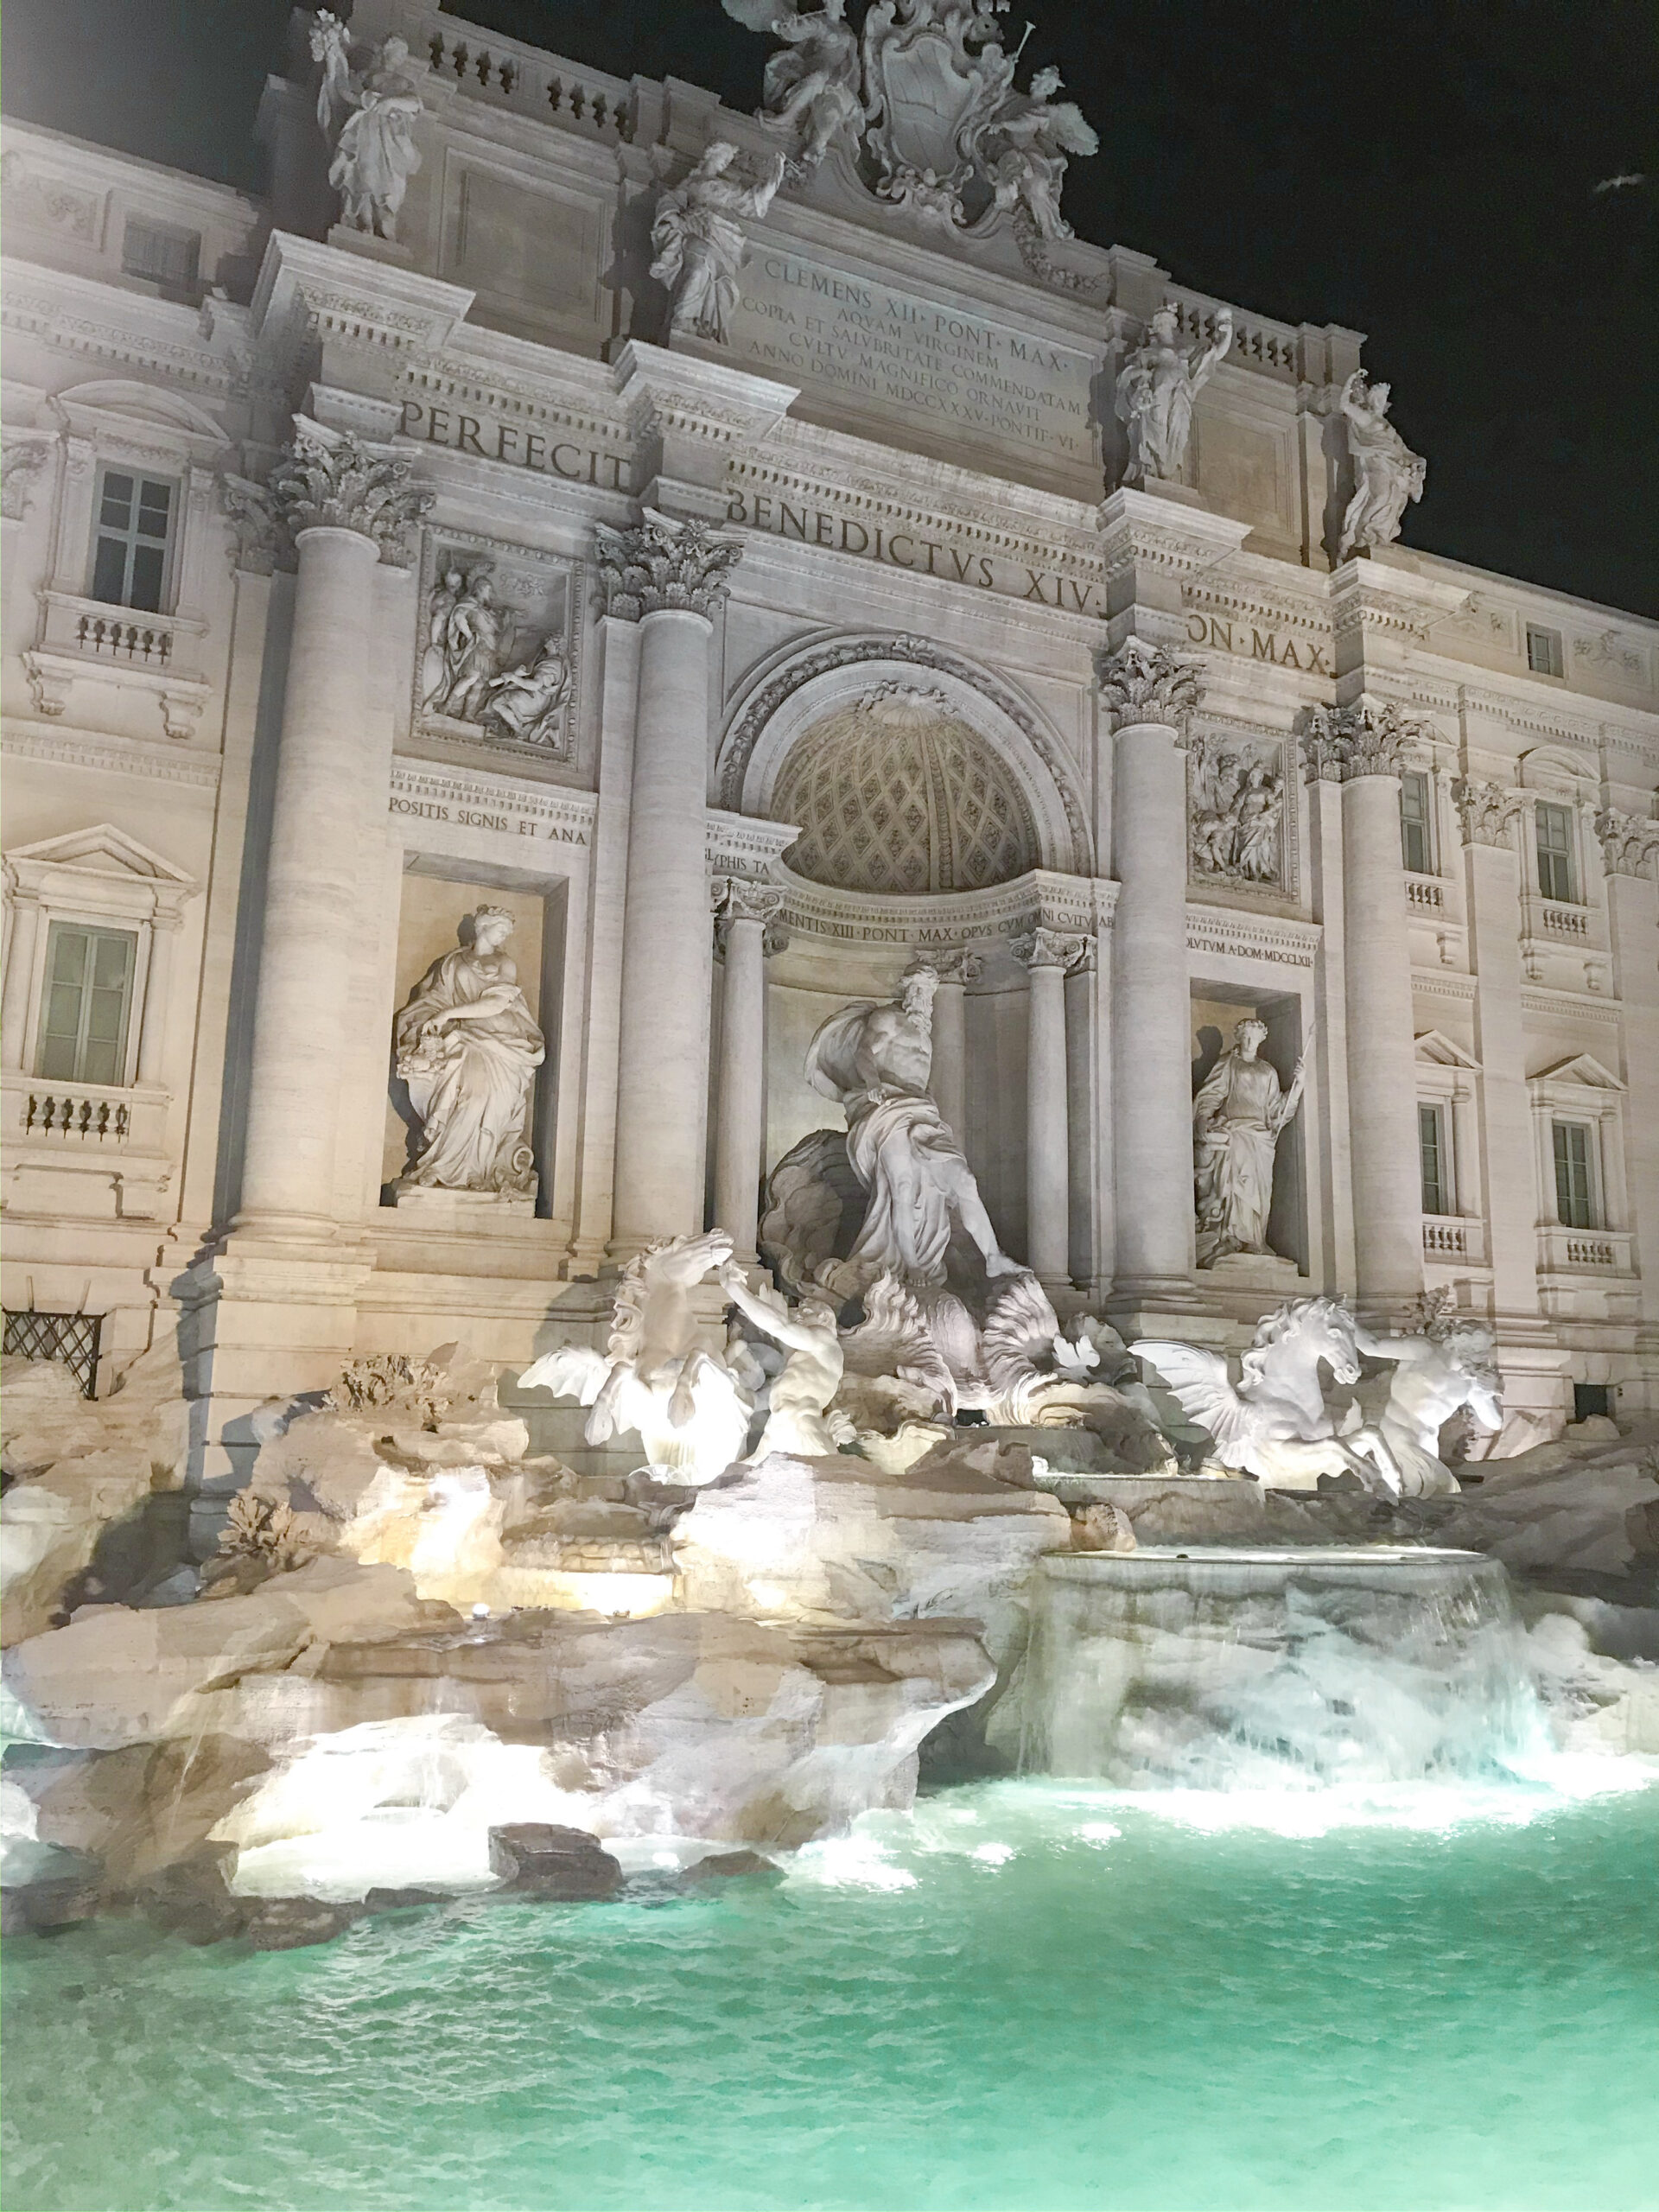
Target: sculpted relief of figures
column 1156, row 388
column 1238, row 1117
column 1237, row 811
column 1387, row 474
column 368, row 118
column 468, row 1047
column 697, row 241
column 477, row 668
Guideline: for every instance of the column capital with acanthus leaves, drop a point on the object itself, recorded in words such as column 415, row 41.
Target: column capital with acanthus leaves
column 1141, row 683
column 659, row 563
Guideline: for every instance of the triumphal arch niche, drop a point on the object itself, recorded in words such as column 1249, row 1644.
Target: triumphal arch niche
column 939, row 826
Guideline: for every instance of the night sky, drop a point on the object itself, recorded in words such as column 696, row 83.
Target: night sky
column 1421, row 170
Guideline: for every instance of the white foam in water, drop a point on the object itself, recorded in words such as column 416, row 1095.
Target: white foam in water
column 1294, row 1690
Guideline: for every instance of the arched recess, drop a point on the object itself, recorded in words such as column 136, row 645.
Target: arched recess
column 808, row 684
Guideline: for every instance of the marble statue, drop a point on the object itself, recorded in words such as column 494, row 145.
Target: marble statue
column 468, row 673
column 525, row 702
column 1027, row 143
column 874, row 1062
column 698, row 241
column 1238, row 1116
column 368, row 118
column 1237, row 816
column 469, row 1048
column 471, row 635
column 889, row 1215
column 812, row 88
column 1387, row 474
column 1156, row 388
column 655, row 1376
column 1273, row 1423
column 1442, row 1369
column 799, row 1419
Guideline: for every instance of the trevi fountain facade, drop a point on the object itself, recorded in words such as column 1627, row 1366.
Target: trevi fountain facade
column 776, row 991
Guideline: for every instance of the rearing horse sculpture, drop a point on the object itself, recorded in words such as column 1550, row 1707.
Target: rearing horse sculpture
column 1274, row 1424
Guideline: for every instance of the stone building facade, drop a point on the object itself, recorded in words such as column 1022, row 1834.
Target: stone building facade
column 751, row 633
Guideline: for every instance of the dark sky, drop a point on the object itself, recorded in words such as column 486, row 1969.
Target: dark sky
column 1422, row 170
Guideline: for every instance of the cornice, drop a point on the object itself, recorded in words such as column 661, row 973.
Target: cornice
column 86, row 316
column 1040, row 900
column 306, row 292
column 1228, row 932
column 415, row 777
column 121, row 756
column 1144, row 530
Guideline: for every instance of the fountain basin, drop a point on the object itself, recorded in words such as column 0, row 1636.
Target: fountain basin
column 1229, row 1668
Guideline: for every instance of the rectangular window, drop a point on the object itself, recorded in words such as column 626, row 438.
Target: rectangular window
column 1555, row 839
column 1544, row 656
column 162, row 253
column 1434, row 1160
column 133, row 536
column 89, row 975
column 1416, row 822
column 1575, row 1196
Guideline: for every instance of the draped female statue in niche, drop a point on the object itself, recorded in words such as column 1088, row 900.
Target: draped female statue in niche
column 1237, row 1119
column 469, row 1048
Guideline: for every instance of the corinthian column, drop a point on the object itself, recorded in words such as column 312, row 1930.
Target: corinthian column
column 1359, row 748
column 1045, row 955
column 1148, row 694
column 746, row 933
column 344, row 505
column 669, row 576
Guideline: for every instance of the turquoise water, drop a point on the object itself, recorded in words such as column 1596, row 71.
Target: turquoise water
column 1023, row 1995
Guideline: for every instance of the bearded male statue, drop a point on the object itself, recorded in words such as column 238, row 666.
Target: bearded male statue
column 874, row 1061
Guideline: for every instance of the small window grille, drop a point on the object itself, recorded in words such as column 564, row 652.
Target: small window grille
column 70, row 1338
column 1544, row 655
column 133, row 536
column 1575, row 1199
column 1416, row 820
column 1436, row 1167
column 89, row 975
column 1554, row 842
column 161, row 253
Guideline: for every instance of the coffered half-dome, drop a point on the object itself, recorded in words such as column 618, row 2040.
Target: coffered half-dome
column 897, row 793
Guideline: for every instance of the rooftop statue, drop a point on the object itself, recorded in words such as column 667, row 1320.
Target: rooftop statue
column 1156, row 388
column 698, row 241
column 813, row 88
column 368, row 119
column 1028, row 142
column 1387, row 474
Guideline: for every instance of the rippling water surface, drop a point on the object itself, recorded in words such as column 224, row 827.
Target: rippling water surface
column 1021, row 1996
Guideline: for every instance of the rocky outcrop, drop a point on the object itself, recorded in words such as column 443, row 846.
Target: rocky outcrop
column 1584, row 1506
column 955, row 1533
column 343, row 1734
column 80, row 1475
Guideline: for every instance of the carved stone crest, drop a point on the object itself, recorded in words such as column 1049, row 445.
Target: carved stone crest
column 940, row 130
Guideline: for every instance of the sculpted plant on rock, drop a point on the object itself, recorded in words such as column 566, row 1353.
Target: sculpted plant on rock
column 390, row 1379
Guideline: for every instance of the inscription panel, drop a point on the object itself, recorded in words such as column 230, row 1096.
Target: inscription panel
column 879, row 349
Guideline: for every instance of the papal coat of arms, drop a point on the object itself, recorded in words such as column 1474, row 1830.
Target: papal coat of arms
column 923, row 99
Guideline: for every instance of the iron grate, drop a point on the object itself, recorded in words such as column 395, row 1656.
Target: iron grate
column 71, row 1338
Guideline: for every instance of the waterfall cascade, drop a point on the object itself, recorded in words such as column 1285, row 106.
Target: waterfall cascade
column 1254, row 1670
